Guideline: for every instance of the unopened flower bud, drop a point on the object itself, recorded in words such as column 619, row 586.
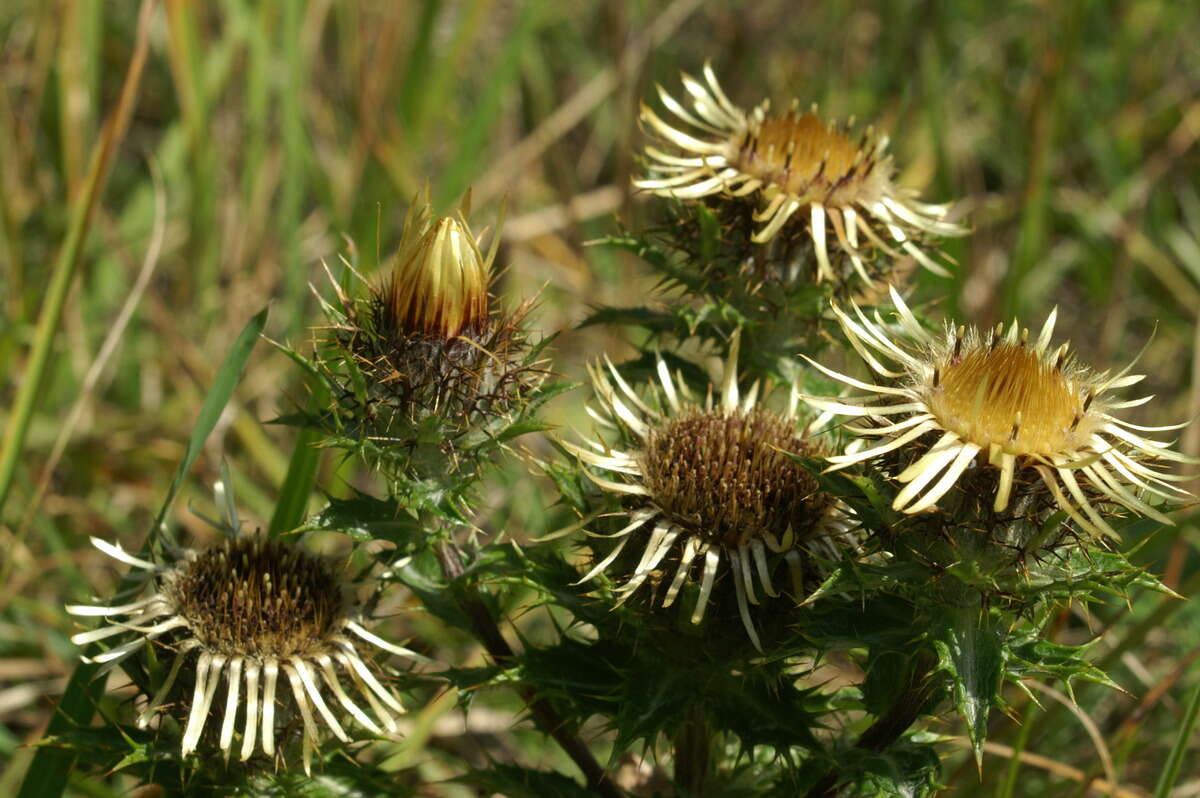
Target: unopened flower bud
column 439, row 281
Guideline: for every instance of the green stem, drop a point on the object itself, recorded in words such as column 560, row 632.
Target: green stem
column 547, row 718
column 693, row 753
column 1014, row 764
column 881, row 734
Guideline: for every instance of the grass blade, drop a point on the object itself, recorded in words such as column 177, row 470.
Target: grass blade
column 472, row 142
column 1170, row 773
column 416, row 73
column 218, row 396
column 298, row 485
column 69, row 258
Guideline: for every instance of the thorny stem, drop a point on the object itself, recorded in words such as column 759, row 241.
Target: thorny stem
column 451, row 562
column 880, row 735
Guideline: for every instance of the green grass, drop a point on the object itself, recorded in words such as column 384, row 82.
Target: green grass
column 284, row 131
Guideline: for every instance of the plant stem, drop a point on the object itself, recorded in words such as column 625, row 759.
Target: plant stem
column 693, row 753
column 880, row 735
column 546, row 717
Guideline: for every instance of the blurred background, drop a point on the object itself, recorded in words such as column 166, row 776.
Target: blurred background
column 275, row 136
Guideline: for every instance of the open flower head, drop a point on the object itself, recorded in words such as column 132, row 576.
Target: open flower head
column 709, row 481
column 427, row 340
column 252, row 611
column 799, row 166
column 1022, row 408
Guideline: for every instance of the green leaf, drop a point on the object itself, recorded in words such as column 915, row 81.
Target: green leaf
column 292, row 505
column 47, row 775
column 423, row 576
column 219, row 394
column 655, row 320
column 970, row 645
column 645, row 369
column 888, row 676
column 638, row 246
column 365, row 518
column 1036, row 657
column 908, row 769
column 853, row 621
column 710, row 233
column 646, row 684
column 865, row 493
column 340, row 777
column 572, row 486
column 1084, row 570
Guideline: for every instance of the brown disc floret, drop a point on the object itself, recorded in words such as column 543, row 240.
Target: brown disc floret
column 724, row 474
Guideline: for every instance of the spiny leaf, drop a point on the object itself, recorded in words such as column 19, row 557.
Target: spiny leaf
column 638, row 246
column 907, row 769
column 970, row 645
column 365, row 518
column 1033, row 656
column 655, row 320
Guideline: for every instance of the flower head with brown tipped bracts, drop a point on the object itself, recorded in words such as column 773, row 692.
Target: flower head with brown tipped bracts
column 439, row 281
column 252, row 608
column 711, row 478
column 426, row 342
column 1000, row 401
column 798, row 164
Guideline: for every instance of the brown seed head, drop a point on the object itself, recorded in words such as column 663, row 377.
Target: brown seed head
column 723, row 475
column 256, row 596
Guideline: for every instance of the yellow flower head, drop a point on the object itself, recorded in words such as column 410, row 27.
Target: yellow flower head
column 999, row 400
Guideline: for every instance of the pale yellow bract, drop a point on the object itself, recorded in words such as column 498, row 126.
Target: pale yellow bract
column 440, row 278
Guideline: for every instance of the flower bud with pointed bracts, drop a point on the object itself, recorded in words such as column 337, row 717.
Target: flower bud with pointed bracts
column 424, row 356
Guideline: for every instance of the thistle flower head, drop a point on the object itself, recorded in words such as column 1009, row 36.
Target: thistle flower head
column 708, row 480
column 439, row 281
column 251, row 609
column 426, row 345
column 1026, row 411
column 798, row 165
